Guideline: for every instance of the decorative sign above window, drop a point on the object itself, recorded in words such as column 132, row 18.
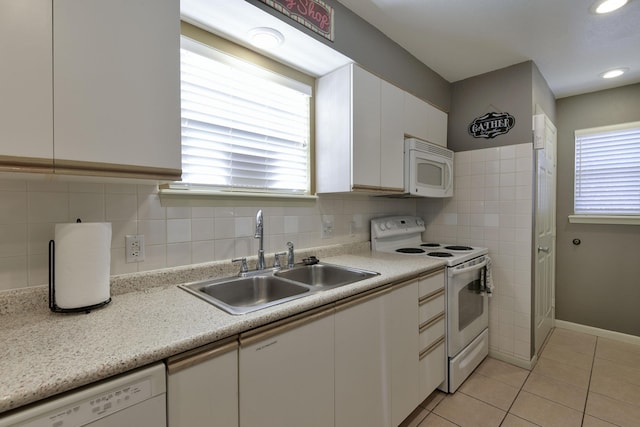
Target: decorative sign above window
column 313, row 14
column 491, row 125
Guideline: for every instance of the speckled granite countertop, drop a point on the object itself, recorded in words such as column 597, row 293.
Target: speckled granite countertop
column 149, row 319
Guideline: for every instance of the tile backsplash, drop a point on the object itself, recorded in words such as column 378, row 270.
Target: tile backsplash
column 493, row 207
column 174, row 236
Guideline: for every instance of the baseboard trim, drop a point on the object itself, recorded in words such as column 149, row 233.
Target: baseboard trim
column 521, row 363
column 604, row 333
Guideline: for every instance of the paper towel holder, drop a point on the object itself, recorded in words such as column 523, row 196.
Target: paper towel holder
column 52, row 288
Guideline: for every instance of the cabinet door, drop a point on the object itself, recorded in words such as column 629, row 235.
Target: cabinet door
column 366, row 129
column 286, row 375
column 117, row 85
column 361, row 378
column 403, row 347
column 424, row 121
column 202, row 389
column 26, row 114
column 391, row 137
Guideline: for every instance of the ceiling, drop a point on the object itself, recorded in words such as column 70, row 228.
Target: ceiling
column 462, row 38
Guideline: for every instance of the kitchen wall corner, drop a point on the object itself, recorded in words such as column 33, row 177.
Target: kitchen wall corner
column 492, row 207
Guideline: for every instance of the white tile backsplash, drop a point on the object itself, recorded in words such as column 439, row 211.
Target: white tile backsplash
column 173, row 236
column 492, row 207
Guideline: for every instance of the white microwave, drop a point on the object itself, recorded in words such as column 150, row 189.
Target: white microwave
column 428, row 169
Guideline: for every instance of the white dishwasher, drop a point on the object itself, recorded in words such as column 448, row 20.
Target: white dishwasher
column 133, row 399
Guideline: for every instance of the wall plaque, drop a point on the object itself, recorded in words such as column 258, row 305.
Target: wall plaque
column 491, row 125
column 313, row 14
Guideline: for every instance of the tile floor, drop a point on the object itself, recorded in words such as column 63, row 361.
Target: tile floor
column 579, row 380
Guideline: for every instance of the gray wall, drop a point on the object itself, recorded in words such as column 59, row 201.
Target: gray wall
column 543, row 99
column 506, row 90
column 366, row 45
column 597, row 282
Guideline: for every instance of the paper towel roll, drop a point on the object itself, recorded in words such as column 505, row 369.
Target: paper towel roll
column 82, row 264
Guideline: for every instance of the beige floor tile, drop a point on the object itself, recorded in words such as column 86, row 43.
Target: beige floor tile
column 607, row 368
column 616, row 388
column 619, row 352
column 590, row 421
column 490, row 391
column 513, row 421
column 563, row 372
column 415, row 418
column 545, row 412
column 557, row 391
column 503, row 372
column 434, row 420
column 565, row 353
column 612, row 410
column 577, row 341
column 434, row 398
column 466, row 411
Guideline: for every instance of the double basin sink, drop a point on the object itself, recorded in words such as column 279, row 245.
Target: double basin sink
column 262, row 289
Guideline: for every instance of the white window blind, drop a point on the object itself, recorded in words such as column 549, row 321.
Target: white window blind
column 243, row 128
column 607, row 170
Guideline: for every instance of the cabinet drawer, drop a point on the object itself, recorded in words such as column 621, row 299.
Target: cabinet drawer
column 431, row 305
column 431, row 283
column 432, row 368
column 431, row 331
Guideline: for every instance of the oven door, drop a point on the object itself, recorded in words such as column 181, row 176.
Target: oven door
column 466, row 303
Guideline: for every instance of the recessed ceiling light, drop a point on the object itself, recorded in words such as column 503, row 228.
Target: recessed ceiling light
column 265, row 37
column 617, row 72
column 607, row 6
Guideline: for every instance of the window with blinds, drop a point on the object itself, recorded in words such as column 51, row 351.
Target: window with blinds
column 607, row 170
column 244, row 128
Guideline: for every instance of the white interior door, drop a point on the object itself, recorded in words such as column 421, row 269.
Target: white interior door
column 545, row 137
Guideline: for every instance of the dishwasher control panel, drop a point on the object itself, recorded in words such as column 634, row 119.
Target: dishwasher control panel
column 94, row 402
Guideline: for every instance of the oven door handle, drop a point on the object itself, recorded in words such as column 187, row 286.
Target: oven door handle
column 456, row 271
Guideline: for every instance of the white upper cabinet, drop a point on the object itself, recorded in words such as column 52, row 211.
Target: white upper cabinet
column 358, row 144
column 116, row 69
column 26, row 116
column 361, row 123
column 424, row 121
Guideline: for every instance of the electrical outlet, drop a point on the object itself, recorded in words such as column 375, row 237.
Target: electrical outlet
column 327, row 226
column 134, row 247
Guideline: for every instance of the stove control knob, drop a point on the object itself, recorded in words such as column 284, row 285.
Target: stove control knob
column 389, row 225
column 382, row 227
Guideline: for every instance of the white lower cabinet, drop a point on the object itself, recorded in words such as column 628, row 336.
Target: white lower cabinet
column 368, row 361
column 287, row 373
column 202, row 387
column 361, row 376
column 402, row 324
column 432, row 352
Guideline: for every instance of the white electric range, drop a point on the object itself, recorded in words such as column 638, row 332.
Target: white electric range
column 466, row 290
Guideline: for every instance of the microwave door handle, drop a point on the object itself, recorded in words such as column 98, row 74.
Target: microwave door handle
column 455, row 271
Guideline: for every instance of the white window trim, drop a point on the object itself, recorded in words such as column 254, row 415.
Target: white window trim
column 179, row 194
column 605, row 219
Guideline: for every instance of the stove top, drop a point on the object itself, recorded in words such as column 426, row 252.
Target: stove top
column 403, row 235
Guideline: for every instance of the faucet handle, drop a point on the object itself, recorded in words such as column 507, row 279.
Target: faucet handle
column 290, row 255
column 243, row 267
column 276, row 259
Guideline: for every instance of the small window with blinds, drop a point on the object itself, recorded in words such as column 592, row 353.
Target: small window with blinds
column 607, row 170
column 244, row 128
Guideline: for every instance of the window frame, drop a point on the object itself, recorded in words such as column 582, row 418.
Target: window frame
column 604, row 218
column 175, row 191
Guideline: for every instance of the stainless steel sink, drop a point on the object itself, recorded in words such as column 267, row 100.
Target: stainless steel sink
column 323, row 276
column 266, row 288
column 246, row 294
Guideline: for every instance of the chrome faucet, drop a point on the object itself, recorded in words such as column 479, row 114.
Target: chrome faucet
column 260, row 235
column 290, row 257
